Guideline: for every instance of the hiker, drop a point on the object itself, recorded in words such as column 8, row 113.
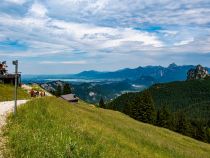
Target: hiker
column 32, row 93
column 37, row 93
column 42, row 94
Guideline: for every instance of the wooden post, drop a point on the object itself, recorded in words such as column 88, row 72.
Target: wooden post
column 16, row 86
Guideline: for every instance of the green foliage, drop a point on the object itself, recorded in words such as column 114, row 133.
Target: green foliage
column 101, row 103
column 163, row 117
column 183, row 125
column 66, row 89
column 58, row 91
column 62, row 89
column 208, row 134
column 139, row 107
column 53, row 128
column 191, row 97
column 143, row 108
column 200, row 131
column 7, row 93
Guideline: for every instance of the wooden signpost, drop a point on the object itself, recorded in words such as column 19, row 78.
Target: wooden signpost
column 15, row 62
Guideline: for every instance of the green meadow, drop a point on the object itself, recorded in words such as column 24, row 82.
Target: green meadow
column 7, row 93
column 53, row 128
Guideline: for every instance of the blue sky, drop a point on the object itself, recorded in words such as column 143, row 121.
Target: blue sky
column 69, row 36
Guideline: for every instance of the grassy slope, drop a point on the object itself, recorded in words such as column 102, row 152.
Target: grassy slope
column 7, row 93
column 50, row 127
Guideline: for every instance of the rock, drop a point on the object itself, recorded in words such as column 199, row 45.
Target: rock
column 196, row 73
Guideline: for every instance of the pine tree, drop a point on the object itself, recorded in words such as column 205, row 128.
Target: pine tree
column 163, row 117
column 101, row 103
column 183, row 126
column 143, row 108
column 200, row 130
column 201, row 133
column 208, row 134
column 66, row 89
column 158, row 118
column 58, row 91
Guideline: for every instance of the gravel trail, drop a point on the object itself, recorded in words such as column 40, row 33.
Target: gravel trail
column 5, row 108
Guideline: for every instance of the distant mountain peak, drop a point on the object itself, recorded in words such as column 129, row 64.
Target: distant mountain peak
column 172, row 65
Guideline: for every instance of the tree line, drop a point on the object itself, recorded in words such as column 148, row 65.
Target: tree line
column 141, row 107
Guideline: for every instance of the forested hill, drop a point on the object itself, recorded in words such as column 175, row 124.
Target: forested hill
column 192, row 97
column 182, row 106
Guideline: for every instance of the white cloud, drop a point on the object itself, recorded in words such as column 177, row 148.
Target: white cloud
column 38, row 10
column 16, row 1
column 64, row 62
column 102, row 29
column 184, row 42
column 48, row 35
column 98, row 5
column 107, row 37
column 127, row 12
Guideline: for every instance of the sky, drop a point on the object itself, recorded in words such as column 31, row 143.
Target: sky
column 70, row 36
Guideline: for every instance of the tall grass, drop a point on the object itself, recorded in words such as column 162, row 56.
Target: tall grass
column 7, row 93
column 52, row 128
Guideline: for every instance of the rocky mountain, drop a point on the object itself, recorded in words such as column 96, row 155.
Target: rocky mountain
column 198, row 72
column 161, row 74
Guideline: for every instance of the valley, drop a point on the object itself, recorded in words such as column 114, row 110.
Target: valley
column 92, row 85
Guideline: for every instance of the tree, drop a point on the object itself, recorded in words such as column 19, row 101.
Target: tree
column 183, row 126
column 200, row 130
column 158, row 118
column 163, row 118
column 143, row 108
column 66, row 89
column 58, row 91
column 208, row 134
column 101, row 103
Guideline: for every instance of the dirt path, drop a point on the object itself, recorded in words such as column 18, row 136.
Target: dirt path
column 5, row 108
column 29, row 88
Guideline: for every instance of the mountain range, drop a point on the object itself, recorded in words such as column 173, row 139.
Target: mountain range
column 92, row 85
column 159, row 73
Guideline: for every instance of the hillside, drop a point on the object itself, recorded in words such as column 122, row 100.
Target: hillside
column 51, row 127
column 92, row 91
column 191, row 97
column 7, row 93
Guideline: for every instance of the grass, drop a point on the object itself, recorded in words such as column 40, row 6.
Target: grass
column 36, row 87
column 52, row 128
column 7, row 93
